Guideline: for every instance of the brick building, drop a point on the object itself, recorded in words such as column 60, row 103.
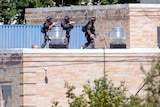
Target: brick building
column 139, row 20
column 33, row 77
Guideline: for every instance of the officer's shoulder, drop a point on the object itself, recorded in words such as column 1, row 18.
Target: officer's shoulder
column 89, row 25
column 46, row 22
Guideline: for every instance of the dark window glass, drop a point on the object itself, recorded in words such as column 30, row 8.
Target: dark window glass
column 158, row 38
column 6, row 93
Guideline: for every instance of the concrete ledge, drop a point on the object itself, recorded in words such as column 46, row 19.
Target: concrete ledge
column 92, row 7
column 76, row 8
column 83, row 51
column 144, row 6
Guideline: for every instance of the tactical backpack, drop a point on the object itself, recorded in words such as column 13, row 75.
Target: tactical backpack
column 43, row 30
column 84, row 28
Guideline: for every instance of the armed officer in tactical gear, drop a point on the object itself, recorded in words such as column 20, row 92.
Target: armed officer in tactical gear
column 90, row 33
column 67, row 25
column 48, row 24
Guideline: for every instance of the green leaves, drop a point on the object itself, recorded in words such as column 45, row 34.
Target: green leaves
column 152, row 82
column 104, row 2
column 103, row 94
column 7, row 10
column 11, row 10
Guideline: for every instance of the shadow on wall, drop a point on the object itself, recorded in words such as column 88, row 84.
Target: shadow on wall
column 7, row 60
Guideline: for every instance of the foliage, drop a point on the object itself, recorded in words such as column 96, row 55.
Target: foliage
column 11, row 10
column 152, row 82
column 7, row 10
column 73, row 99
column 105, row 94
column 104, row 2
column 55, row 103
column 101, row 2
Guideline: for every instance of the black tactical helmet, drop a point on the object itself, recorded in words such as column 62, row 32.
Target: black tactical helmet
column 93, row 18
column 48, row 18
column 66, row 18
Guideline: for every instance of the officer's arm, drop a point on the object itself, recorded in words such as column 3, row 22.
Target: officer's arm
column 71, row 24
column 52, row 25
column 88, row 30
column 65, row 25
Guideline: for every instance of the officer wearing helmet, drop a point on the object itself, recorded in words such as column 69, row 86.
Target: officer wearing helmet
column 90, row 33
column 48, row 24
column 67, row 24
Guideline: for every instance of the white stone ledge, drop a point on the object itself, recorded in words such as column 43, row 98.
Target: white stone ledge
column 68, row 8
column 115, row 6
column 151, row 6
column 84, row 51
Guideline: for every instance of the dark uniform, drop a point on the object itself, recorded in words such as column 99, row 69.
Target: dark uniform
column 90, row 33
column 67, row 25
column 46, row 26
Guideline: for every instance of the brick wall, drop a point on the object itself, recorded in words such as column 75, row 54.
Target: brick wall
column 10, row 74
column 33, row 86
column 144, row 21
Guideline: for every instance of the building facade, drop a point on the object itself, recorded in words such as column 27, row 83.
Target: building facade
column 33, row 77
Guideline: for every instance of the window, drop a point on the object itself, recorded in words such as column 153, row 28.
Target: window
column 158, row 38
column 6, row 95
